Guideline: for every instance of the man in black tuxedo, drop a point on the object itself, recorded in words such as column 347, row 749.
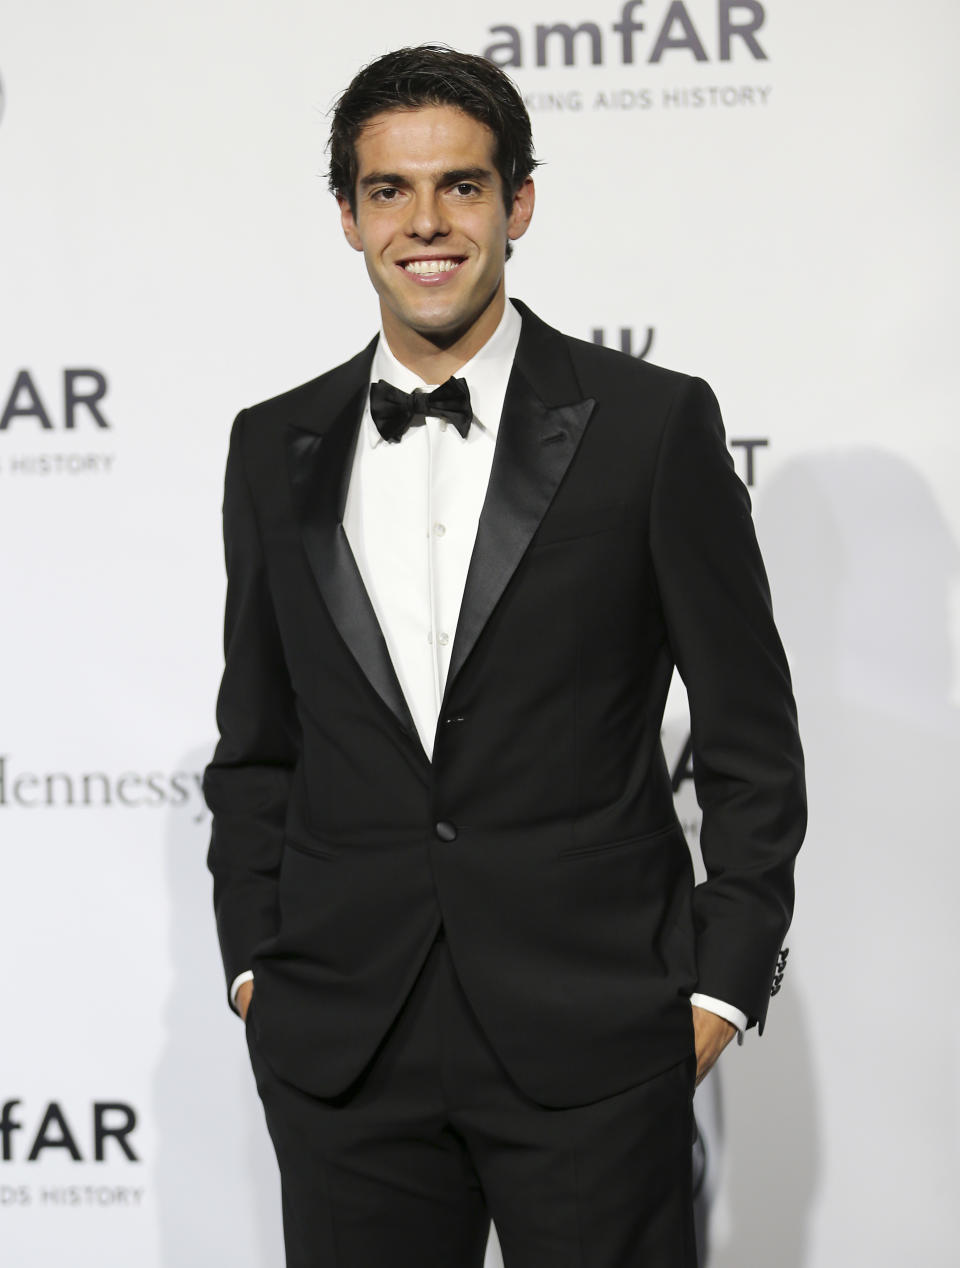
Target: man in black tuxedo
column 455, row 905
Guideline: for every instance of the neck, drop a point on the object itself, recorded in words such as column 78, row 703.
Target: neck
column 434, row 358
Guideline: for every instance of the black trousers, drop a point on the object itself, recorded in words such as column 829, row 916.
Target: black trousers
column 406, row 1168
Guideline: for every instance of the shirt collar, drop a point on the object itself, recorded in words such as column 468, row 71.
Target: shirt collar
column 487, row 373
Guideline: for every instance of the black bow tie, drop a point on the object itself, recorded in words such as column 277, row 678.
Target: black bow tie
column 394, row 411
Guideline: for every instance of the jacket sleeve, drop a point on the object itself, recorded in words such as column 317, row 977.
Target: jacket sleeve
column 247, row 783
column 747, row 760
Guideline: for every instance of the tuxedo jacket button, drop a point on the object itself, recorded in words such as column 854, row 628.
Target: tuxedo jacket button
column 446, row 831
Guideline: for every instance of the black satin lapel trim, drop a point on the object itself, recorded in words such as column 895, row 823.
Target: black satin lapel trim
column 535, row 445
column 320, row 467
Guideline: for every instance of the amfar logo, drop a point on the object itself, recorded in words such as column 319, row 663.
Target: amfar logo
column 670, row 29
column 81, row 393
column 108, row 1126
column 102, row 1133
column 26, row 415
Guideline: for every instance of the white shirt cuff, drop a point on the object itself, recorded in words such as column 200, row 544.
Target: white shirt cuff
column 239, row 980
column 726, row 1011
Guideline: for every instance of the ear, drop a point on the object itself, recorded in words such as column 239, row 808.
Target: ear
column 521, row 211
column 349, row 224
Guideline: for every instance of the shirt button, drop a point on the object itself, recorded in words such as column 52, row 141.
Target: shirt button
column 443, row 639
column 446, row 831
column 439, row 530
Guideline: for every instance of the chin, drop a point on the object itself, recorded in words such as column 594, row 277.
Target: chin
column 433, row 324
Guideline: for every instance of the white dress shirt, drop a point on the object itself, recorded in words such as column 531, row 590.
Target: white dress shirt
column 411, row 520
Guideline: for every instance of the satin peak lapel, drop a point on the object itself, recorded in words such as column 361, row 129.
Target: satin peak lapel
column 535, row 445
column 320, row 462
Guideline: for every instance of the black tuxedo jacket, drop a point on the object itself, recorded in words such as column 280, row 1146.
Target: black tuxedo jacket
column 615, row 541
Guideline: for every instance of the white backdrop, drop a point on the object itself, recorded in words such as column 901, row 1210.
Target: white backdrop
column 778, row 216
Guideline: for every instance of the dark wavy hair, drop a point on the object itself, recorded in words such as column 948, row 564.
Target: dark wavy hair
column 432, row 75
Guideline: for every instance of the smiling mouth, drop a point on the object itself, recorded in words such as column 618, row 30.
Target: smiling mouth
column 428, row 268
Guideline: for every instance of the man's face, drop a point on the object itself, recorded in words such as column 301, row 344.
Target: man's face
column 431, row 223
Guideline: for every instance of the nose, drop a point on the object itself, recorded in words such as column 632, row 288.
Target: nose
column 427, row 219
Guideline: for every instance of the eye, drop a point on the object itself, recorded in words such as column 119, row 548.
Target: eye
column 385, row 195
column 466, row 189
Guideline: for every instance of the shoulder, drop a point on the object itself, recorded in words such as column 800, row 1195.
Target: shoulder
column 607, row 375
column 647, row 401
column 311, row 403
column 606, row 372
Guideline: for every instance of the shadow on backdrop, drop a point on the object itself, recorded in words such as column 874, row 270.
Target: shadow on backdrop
column 217, row 1188
column 863, row 564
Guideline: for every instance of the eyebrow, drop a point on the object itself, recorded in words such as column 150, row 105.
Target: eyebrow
column 481, row 175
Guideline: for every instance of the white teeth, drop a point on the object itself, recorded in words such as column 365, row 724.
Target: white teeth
column 430, row 266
